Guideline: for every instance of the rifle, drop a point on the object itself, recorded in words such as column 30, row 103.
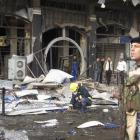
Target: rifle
column 122, row 114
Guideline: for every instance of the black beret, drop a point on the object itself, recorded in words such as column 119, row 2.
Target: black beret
column 135, row 40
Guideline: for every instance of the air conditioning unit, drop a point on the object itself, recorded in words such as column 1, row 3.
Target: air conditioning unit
column 17, row 67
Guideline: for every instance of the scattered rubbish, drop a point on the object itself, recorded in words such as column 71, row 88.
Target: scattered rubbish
column 70, row 122
column 51, row 100
column 37, row 113
column 60, row 139
column 28, row 79
column 97, row 123
column 9, row 98
column 105, row 110
column 40, row 78
column 104, row 96
column 39, row 95
column 56, row 75
column 72, row 132
column 2, row 134
column 90, row 124
column 111, row 125
column 7, row 84
column 22, row 93
column 48, row 123
column 23, row 112
column 13, row 135
column 43, row 97
column 45, row 85
column 93, row 106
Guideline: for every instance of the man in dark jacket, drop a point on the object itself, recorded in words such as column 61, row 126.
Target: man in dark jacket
column 80, row 97
column 97, row 70
column 74, row 68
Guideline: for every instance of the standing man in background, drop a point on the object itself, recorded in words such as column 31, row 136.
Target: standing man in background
column 102, row 69
column 74, row 68
column 121, row 69
column 108, row 70
column 97, row 70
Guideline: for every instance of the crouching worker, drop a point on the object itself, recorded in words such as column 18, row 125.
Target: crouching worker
column 80, row 97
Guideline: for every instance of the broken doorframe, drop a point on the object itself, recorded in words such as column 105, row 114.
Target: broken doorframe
column 82, row 67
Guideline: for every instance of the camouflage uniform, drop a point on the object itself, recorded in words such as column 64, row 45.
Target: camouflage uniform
column 132, row 103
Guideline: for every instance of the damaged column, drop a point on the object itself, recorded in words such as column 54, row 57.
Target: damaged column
column 91, row 38
column 83, row 44
column 37, row 33
column 13, row 41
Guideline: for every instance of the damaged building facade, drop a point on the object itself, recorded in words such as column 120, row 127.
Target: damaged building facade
column 45, row 34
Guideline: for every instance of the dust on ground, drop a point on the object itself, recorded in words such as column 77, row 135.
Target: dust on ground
column 66, row 129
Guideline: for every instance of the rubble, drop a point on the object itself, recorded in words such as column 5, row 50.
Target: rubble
column 90, row 124
column 6, row 134
column 40, row 95
column 48, row 123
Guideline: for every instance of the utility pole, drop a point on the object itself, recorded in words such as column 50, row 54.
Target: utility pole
column 91, row 38
column 3, row 101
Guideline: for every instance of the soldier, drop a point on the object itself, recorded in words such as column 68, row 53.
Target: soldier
column 131, row 96
column 133, row 112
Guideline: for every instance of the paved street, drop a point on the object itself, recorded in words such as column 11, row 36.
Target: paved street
column 66, row 127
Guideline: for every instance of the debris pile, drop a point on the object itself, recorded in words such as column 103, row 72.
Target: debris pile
column 43, row 94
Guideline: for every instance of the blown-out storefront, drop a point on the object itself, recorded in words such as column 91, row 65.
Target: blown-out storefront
column 15, row 39
column 59, row 50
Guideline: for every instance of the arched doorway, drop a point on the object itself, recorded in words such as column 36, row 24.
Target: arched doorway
column 67, row 39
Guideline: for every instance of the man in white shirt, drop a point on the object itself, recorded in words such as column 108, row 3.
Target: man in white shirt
column 108, row 70
column 122, row 69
